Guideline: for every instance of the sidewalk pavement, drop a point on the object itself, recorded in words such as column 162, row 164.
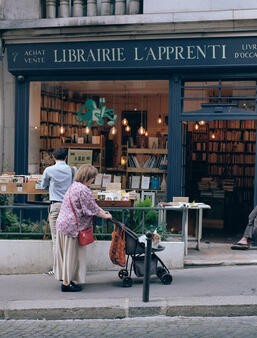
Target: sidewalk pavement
column 212, row 254
column 214, row 290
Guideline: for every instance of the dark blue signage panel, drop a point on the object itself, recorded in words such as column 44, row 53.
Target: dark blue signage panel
column 164, row 53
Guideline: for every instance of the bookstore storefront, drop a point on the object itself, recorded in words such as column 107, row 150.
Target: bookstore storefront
column 169, row 117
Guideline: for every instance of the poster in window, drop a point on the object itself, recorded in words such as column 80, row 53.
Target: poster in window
column 77, row 157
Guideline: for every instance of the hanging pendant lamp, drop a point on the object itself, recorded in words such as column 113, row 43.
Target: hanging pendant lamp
column 113, row 130
column 141, row 130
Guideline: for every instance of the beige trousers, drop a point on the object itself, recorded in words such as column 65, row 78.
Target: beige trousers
column 53, row 214
column 70, row 259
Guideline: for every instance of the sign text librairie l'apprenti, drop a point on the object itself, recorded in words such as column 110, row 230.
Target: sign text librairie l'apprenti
column 159, row 53
column 139, row 53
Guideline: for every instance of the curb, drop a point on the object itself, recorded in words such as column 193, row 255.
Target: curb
column 199, row 263
column 125, row 308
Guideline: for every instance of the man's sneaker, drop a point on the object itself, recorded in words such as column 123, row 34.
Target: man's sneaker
column 50, row 273
column 71, row 288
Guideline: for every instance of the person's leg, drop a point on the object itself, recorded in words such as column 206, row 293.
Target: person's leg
column 70, row 264
column 66, row 262
column 250, row 232
column 54, row 212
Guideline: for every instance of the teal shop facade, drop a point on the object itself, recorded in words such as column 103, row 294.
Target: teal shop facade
column 176, row 60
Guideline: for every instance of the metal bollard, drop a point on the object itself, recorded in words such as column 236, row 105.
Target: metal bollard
column 148, row 249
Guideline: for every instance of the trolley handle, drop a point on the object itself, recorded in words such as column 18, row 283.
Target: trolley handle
column 115, row 221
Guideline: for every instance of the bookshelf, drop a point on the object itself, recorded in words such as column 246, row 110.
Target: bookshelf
column 59, row 111
column 146, row 162
column 223, row 166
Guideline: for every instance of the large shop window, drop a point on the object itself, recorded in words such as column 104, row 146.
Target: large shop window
column 220, row 153
column 120, row 127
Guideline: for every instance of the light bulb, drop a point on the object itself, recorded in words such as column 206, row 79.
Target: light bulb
column 127, row 128
column 213, row 136
column 124, row 122
column 123, row 160
column 62, row 130
column 196, row 126
column 113, row 130
column 159, row 120
column 141, row 130
column 87, row 130
column 202, row 123
column 146, row 133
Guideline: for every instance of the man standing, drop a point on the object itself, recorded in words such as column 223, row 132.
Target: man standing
column 57, row 179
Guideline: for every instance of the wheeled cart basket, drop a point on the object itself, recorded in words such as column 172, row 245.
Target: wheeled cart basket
column 135, row 252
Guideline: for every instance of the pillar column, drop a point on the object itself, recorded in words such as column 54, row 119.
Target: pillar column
column 174, row 179
column 78, row 7
column 106, row 7
column 64, row 9
column 21, row 125
column 120, row 7
column 91, row 8
column 133, row 7
column 50, row 9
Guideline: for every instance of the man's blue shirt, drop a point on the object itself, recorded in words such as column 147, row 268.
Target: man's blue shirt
column 57, row 180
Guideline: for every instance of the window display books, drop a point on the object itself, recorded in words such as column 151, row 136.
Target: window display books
column 98, row 179
column 106, row 179
column 145, row 183
column 135, row 182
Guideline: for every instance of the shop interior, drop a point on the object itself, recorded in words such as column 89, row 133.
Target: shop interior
column 120, row 127
column 220, row 154
column 124, row 126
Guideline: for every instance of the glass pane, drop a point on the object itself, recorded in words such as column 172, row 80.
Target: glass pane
column 82, row 115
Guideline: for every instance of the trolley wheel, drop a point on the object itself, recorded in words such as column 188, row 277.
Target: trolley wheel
column 160, row 271
column 166, row 279
column 123, row 273
column 127, row 282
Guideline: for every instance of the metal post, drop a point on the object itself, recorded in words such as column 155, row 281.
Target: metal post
column 148, row 249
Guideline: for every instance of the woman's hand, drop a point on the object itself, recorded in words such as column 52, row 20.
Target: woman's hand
column 104, row 214
column 107, row 215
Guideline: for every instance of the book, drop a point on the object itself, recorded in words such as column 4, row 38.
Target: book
column 98, row 179
column 135, row 183
column 106, row 179
column 155, row 183
column 145, row 182
column 153, row 142
column 116, row 179
column 95, row 139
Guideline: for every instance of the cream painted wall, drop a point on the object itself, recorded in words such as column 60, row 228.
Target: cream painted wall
column 168, row 6
column 20, row 9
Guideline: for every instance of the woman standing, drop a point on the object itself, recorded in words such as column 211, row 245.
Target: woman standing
column 71, row 258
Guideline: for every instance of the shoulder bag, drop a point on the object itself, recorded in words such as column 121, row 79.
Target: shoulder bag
column 85, row 236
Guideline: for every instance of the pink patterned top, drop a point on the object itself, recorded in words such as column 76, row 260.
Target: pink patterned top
column 85, row 208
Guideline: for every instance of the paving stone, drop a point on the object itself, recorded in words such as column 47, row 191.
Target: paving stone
column 186, row 327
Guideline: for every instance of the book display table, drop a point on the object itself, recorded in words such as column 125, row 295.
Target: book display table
column 184, row 208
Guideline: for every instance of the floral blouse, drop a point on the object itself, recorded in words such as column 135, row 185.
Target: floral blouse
column 84, row 206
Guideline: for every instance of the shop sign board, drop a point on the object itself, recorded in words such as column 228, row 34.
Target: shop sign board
column 137, row 54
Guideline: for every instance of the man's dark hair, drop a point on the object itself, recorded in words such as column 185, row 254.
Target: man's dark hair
column 60, row 153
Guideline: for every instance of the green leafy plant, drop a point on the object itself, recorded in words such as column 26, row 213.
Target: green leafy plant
column 150, row 216
column 8, row 218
